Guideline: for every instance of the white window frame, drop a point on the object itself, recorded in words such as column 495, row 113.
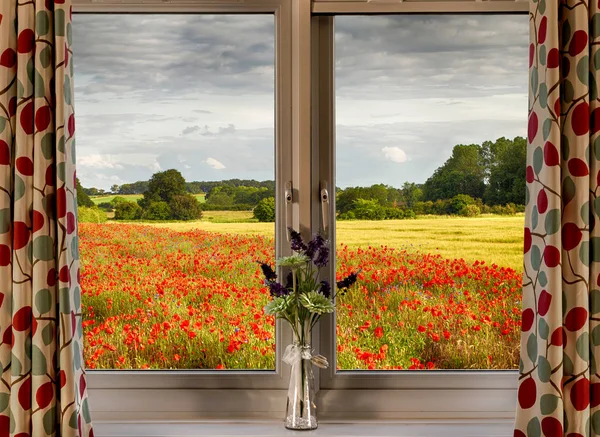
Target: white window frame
column 305, row 158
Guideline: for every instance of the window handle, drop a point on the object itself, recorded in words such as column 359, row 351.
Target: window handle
column 288, row 208
column 325, row 207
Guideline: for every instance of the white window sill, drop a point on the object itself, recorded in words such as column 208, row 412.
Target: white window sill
column 446, row 428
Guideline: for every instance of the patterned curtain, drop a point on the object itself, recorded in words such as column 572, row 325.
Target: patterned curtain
column 42, row 387
column 559, row 387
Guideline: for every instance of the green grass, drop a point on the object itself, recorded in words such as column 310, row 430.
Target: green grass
column 494, row 239
column 131, row 197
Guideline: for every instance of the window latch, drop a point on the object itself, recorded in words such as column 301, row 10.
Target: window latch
column 288, row 208
column 325, row 207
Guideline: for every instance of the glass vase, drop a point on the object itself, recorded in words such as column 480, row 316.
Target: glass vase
column 301, row 410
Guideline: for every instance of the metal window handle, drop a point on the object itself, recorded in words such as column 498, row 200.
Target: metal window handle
column 288, row 208
column 325, row 207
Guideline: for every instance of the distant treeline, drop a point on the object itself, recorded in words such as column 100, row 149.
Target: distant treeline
column 475, row 179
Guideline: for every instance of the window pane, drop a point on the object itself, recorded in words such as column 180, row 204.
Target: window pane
column 431, row 122
column 175, row 119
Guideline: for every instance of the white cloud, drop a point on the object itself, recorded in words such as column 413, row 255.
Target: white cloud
column 215, row 164
column 395, row 154
column 98, row 161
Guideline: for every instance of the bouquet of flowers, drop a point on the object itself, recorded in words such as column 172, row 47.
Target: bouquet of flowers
column 301, row 301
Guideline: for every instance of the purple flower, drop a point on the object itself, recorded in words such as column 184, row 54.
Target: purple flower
column 289, row 281
column 325, row 288
column 322, row 257
column 296, row 243
column 278, row 290
column 347, row 282
column 314, row 246
column 268, row 272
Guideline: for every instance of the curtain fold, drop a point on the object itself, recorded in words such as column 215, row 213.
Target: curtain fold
column 42, row 386
column 559, row 387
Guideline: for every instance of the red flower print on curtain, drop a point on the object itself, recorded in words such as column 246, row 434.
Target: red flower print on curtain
column 559, row 388
column 42, row 387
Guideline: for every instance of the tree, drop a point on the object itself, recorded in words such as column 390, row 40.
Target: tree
column 162, row 187
column 185, row 207
column 82, row 198
column 127, row 211
column 114, row 189
column 411, row 193
column 265, row 210
column 157, row 211
column 463, row 173
column 507, row 172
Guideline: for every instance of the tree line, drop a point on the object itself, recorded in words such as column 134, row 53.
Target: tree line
column 475, row 179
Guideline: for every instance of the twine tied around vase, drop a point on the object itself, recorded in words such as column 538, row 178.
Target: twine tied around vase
column 294, row 354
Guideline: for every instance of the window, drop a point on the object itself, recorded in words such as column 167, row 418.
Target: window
column 176, row 122
column 430, row 189
column 304, row 137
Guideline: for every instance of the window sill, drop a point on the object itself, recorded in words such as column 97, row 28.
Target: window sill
column 405, row 428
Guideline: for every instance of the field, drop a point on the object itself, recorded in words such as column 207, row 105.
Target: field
column 440, row 293
column 495, row 239
column 130, row 197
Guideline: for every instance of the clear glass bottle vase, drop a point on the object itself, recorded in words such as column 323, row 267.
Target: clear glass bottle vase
column 301, row 410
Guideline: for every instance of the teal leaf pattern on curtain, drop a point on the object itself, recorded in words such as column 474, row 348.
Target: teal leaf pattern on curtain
column 559, row 386
column 42, row 386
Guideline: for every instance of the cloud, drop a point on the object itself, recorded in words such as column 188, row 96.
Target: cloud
column 190, row 129
column 422, row 82
column 227, row 130
column 99, row 161
column 395, row 154
column 215, row 164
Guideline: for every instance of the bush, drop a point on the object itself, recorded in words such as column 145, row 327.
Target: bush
column 368, row 210
column 90, row 215
column 459, row 202
column 128, row 211
column 185, row 207
column 118, row 199
column 346, row 216
column 470, row 211
column 409, row 214
column 240, row 207
column 265, row 210
column 393, row 213
column 106, row 206
column 509, row 209
column 157, row 211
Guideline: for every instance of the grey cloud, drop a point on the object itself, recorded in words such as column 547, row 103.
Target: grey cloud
column 423, row 56
column 190, row 129
column 151, row 56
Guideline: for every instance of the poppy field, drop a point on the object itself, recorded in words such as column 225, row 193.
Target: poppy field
column 157, row 298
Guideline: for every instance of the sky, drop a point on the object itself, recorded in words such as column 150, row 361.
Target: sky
column 196, row 93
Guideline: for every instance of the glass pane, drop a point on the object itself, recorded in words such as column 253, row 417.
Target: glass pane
column 431, row 122
column 176, row 146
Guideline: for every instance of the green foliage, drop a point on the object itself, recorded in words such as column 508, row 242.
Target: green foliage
column 507, row 163
column 463, row 173
column 265, row 210
column 82, row 198
column 117, row 199
column 162, row 187
column 90, row 215
column 458, row 203
column 106, row 206
column 127, row 211
column 157, row 211
column 368, row 210
column 185, row 207
column 470, row 211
